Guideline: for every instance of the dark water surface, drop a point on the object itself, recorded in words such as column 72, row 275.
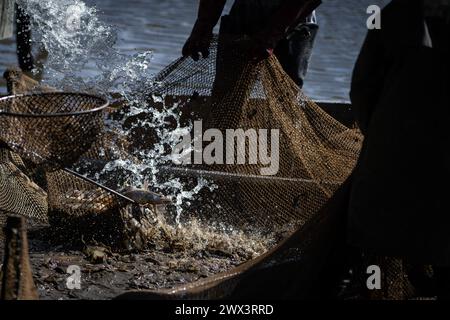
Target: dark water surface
column 163, row 26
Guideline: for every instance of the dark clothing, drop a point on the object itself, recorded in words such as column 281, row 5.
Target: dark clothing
column 294, row 51
column 401, row 92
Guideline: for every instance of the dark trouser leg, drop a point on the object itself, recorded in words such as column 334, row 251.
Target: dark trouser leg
column 295, row 51
column 442, row 276
column 23, row 35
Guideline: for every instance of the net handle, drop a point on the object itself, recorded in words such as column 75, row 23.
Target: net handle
column 104, row 105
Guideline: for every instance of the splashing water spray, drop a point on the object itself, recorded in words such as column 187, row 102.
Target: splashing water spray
column 82, row 57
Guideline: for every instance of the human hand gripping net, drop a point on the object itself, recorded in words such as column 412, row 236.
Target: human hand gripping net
column 229, row 90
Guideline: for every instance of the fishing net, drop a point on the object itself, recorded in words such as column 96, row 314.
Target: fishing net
column 51, row 129
column 228, row 90
column 18, row 193
column 317, row 153
column 225, row 91
column 81, row 209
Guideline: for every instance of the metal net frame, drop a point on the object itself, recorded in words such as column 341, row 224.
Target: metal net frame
column 228, row 90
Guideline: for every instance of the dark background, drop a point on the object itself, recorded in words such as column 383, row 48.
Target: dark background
column 163, row 26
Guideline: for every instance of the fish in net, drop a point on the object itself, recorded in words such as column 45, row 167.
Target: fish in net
column 19, row 194
column 226, row 91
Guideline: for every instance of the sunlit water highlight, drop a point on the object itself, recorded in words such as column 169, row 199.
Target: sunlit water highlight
column 76, row 39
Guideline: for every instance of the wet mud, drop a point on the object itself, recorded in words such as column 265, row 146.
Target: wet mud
column 175, row 256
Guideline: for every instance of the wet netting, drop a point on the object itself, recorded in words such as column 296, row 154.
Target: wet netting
column 18, row 193
column 230, row 91
column 227, row 90
column 40, row 131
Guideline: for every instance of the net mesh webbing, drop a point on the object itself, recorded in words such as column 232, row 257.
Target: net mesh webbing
column 227, row 91
column 51, row 129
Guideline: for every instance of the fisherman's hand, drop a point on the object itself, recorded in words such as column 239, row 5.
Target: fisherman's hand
column 198, row 42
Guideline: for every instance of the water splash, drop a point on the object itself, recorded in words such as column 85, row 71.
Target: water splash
column 76, row 40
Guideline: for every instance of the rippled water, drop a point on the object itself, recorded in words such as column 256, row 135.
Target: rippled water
column 162, row 26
